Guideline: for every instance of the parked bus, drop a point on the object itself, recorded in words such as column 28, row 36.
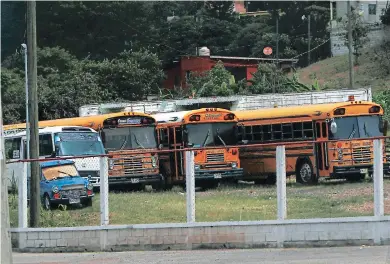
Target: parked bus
column 122, row 134
column 199, row 128
column 63, row 141
column 351, row 159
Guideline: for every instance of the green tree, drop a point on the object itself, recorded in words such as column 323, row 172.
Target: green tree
column 129, row 76
column 63, row 86
column 359, row 33
column 13, row 96
column 216, row 82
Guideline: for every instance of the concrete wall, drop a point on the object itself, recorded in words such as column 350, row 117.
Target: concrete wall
column 287, row 233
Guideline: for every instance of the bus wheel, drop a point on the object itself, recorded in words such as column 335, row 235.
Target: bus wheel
column 304, row 173
column 354, row 177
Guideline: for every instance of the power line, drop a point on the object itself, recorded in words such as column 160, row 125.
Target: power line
column 311, row 49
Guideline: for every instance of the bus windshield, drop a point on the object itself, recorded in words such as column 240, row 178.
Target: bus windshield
column 357, row 127
column 78, row 144
column 129, row 138
column 211, row 134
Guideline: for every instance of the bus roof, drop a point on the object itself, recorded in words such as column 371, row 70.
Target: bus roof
column 170, row 117
column 22, row 132
column 316, row 110
column 85, row 121
column 184, row 116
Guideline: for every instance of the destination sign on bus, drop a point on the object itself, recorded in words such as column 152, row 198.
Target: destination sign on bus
column 213, row 116
column 129, row 121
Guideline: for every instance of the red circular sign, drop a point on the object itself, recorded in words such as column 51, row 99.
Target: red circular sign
column 267, row 50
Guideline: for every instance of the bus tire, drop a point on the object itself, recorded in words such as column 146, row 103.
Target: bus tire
column 271, row 179
column 304, row 172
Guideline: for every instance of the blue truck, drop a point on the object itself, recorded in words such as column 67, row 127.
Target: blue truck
column 61, row 183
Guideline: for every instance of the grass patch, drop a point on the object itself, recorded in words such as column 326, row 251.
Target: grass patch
column 333, row 73
column 226, row 203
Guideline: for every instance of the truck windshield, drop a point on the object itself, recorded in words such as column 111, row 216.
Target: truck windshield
column 78, row 144
column 357, row 127
column 211, row 134
column 52, row 173
column 129, row 138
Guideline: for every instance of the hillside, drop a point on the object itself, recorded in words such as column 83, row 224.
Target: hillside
column 332, row 73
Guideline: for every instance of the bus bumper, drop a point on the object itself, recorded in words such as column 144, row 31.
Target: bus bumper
column 219, row 174
column 146, row 180
column 339, row 172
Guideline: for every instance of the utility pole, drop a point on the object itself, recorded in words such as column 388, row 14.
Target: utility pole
column 308, row 35
column 277, row 48
column 33, row 112
column 349, row 13
column 5, row 241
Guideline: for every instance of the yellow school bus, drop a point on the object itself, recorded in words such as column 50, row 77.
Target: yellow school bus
column 309, row 127
column 122, row 134
column 199, row 128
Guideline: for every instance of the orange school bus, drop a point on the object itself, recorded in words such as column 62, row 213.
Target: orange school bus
column 199, row 128
column 122, row 134
column 351, row 159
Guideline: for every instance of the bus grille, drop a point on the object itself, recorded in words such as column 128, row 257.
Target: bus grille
column 132, row 165
column 361, row 155
column 215, row 157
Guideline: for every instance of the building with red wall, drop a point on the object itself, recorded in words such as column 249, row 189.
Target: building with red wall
column 178, row 71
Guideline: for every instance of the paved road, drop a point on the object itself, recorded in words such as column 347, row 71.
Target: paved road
column 343, row 255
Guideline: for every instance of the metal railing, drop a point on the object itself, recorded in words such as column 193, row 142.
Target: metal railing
column 190, row 180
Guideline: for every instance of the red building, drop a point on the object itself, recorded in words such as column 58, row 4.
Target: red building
column 240, row 67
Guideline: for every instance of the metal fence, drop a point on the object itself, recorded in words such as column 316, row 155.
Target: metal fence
column 378, row 176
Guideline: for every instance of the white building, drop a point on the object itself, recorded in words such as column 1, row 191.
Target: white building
column 370, row 11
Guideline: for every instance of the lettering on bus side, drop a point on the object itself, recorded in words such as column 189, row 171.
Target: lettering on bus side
column 212, row 116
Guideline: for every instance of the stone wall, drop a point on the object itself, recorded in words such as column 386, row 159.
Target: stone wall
column 287, row 233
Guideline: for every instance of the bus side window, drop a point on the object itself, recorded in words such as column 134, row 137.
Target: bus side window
column 12, row 148
column 308, row 130
column 297, row 127
column 164, row 137
column 324, row 130
column 45, row 145
column 318, row 130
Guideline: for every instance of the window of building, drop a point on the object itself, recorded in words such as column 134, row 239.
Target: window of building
column 372, row 9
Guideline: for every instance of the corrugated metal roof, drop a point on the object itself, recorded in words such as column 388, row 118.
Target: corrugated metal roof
column 251, row 58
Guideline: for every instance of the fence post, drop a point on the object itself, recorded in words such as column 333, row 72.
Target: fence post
column 378, row 178
column 104, row 218
column 281, row 182
column 190, row 186
column 22, row 197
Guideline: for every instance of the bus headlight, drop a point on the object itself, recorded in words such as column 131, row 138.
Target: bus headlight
column 234, row 165
column 111, row 164
column 89, row 186
column 55, row 189
column 197, row 167
column 154, row 161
